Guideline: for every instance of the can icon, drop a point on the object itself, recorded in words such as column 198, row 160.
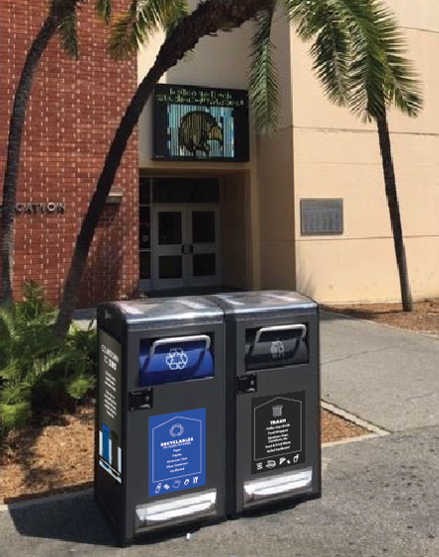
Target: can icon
column 277, row 411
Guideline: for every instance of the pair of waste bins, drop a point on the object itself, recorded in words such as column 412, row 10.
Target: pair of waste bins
column 208, row 407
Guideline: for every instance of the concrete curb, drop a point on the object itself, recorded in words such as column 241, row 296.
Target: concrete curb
column 374, row 429
column 45, row 500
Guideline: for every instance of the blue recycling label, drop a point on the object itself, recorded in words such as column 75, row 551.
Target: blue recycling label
column 177, row 451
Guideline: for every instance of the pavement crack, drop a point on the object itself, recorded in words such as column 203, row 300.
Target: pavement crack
column 365, row 352
column 424, row 395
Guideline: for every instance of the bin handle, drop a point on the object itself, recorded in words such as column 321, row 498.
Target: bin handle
column 173, row 340
column 280, row 328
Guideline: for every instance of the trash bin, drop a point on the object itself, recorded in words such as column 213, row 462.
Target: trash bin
column 273, row 410
column 160, row 442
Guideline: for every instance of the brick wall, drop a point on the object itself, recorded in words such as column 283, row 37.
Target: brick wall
column 73, row 112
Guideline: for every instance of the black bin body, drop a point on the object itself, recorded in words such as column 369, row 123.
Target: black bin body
column 273, row 392
column 160, row 441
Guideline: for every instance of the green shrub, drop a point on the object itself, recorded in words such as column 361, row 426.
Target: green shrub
column 37, row 371
column 15, row 416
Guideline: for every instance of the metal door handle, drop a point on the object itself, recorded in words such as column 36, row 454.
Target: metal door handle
column 187, row 249
column 281, row 328
column 173, row 340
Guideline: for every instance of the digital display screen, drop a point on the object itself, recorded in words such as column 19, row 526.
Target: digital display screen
column 201, row 124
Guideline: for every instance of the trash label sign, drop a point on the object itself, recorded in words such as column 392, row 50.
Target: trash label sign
column 177, row 451
column 278, row 431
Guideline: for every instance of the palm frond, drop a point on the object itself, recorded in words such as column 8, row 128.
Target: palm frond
column 8, row 326
column 357, row 71
column 104, row 10
column 79, row 385
column 180, row 11
column 14, row 392
column 68, row 30
column 331, row 55
column 263, row 78
column 40, row 367
column 402, row 86
column 11, row 371
column 144, row 17
column 14, row 416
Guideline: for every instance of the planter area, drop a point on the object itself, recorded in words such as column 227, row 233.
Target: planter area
column 423, row 319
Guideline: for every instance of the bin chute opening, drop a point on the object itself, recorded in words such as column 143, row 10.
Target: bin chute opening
column 174, row 359
column 276, row 346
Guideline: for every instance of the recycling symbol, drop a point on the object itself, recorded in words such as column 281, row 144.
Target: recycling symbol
column 177, row 359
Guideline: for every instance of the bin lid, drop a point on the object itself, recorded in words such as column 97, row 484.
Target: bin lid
column 167, row 311
column 265, row 301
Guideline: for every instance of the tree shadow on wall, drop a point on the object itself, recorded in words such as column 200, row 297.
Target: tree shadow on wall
column 103, row 275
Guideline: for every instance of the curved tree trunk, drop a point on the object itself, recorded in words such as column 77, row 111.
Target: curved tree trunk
column 16, row 126
column 395, row 216
column 210, row 17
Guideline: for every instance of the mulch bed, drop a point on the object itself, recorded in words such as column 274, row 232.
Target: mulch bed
column 58, row 457
column 48, row 459
column 423, row 319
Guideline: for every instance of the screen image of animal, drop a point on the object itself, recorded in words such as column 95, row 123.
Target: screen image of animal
column 195, row 131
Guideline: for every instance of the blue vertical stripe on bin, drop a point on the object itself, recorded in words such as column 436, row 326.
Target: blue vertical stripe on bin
column 105, row 443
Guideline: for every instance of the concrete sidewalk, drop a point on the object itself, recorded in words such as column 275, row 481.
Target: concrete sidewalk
column 383, row 375
column 380, row 495
column 380, row 498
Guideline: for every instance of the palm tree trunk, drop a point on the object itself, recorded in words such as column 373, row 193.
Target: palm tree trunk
column 16, row 126
column 395, row 216
column 209, row 17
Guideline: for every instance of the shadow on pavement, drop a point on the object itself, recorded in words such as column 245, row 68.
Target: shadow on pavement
column 79, row 520
column 76, row 519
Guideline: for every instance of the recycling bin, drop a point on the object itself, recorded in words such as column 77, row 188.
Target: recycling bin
column 160, row 435
column 273, row 393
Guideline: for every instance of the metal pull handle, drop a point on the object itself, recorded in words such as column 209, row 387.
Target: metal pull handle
column 278, row 485
column 174, row 509
column 281, row 328
column 180, row 513
column 173, row 340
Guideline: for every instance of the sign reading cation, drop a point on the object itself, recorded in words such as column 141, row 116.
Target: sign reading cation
column 40, row 208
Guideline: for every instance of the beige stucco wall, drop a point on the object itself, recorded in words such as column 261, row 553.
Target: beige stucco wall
column 336, row 155
column 321, row 151
column 276, row 178
column 235, row 230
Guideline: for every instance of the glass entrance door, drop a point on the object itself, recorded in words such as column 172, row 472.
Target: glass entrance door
column 185, row 246
column 203, row 233
column 169, row 266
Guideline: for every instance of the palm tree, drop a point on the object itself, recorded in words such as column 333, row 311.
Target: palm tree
column 368, row 77
column 61, row 19
column 401, row 90
column 336, row 26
